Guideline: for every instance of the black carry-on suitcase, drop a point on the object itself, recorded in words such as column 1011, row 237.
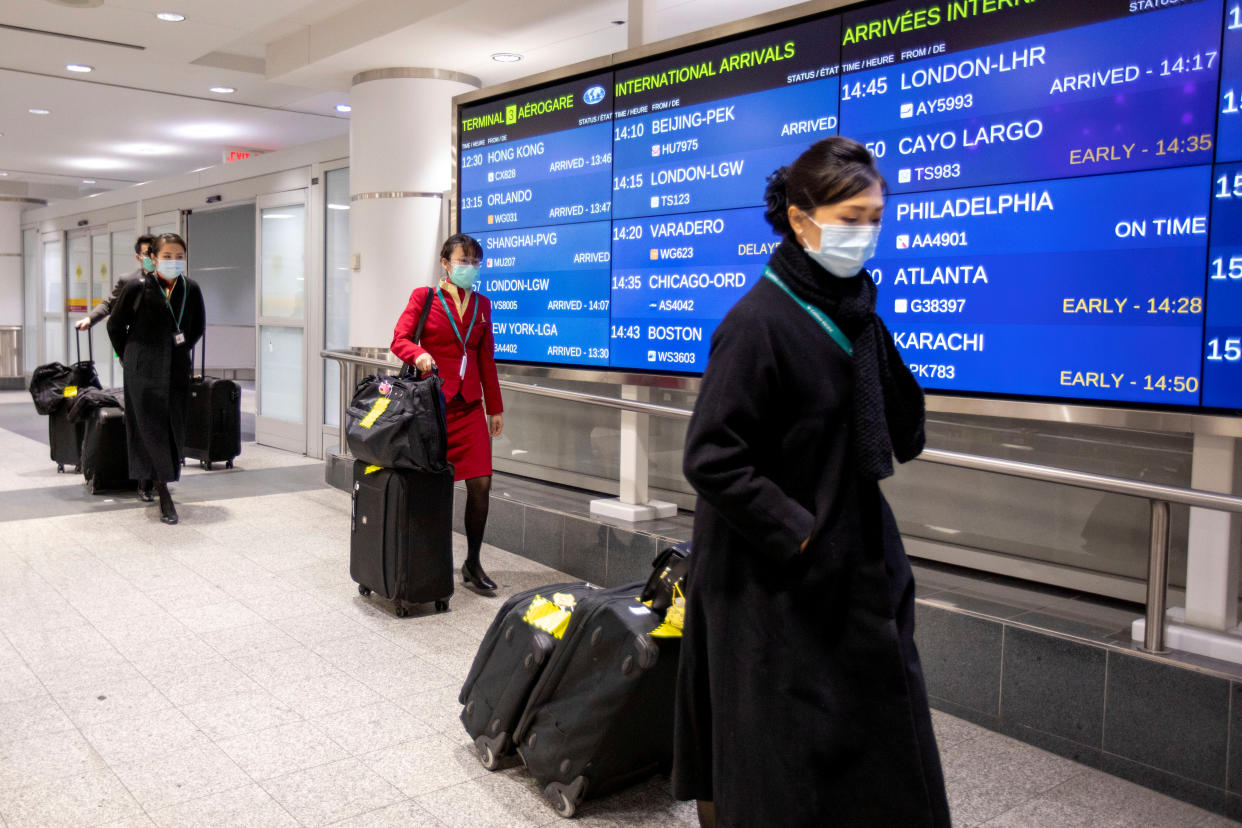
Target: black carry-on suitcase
column 105, row 457
column 213, row 421
column 514, row 651
column 54, row 395
column 601, row 716
column 401, row 536
column 64, row 438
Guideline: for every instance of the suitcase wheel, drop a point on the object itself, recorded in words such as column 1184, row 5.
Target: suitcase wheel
column 442, row 606
column 60, row 468
column 401, row 611
column 490, row 751
column 566, row 798
column 77, row 469
column 364, row 591
column 229, row 464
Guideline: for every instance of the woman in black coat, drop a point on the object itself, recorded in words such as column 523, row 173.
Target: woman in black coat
column 800, row 696
column 155, row 322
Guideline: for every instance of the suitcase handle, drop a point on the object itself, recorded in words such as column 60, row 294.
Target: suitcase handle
column 90, row 346
column 202, row 343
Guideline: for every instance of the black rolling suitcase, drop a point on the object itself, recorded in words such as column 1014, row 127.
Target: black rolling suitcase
column 514, row 651
column 601, row 716
column 105, row 458
column 64, row 438
column 213, row 421
column 53, row 388
column 401, row 536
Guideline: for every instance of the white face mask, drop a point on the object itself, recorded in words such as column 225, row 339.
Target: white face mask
column 170, row 269
column 844, row 248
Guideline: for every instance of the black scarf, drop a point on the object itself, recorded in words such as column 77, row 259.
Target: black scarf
column 888, row 402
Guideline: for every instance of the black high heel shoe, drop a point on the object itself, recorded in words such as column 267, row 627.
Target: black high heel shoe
column 475, row 576
column 145, row 491
column 168, row 512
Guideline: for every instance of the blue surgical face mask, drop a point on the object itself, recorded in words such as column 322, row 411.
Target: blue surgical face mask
column 464, row 276
column 170, row 269
column 844, row 248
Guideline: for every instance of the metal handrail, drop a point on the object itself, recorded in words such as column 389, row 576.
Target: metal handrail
column 1159, row 496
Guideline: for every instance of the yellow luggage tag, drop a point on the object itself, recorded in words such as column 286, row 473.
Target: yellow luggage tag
column 380, row 406
column 550, row 616
column 371, row 469
column 71, row 390
column 674, row 618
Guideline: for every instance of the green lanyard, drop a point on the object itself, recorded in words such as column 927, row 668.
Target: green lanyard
column 456, row 331
column 177, row 317
column 818, row 315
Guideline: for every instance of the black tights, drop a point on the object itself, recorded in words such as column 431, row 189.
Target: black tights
column 478, row 496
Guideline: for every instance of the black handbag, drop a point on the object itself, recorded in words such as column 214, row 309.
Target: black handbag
column 52, row 384
column 399, row 422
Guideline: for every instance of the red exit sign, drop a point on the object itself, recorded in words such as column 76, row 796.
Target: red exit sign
column 231, row 155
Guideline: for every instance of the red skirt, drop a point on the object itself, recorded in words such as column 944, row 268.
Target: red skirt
column 469, row 444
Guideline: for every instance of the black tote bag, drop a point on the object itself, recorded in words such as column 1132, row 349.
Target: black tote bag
column 52, row 384
column 399, row 423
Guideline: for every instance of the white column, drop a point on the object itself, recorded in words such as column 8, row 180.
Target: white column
column 1212, row 547
column 634, row 504
column 11, row 258
column 401, row 159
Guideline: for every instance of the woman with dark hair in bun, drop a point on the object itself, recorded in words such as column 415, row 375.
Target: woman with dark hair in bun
column 457, row 340
column 800, row 695
column 154, row 324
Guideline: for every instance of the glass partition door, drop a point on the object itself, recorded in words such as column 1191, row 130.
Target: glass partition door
column 53, row 344
column 281, row 239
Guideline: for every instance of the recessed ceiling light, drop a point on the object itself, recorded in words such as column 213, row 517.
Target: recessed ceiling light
column 79, row 67
column 223, row 90
column 338, row 206
column 344, row 108
column 39, row 111
column 506, row 57
column 170, row 17
column 88, row 181
column 96, row 163
column 3, row 174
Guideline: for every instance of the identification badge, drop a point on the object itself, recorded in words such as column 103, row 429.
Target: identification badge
column 178, row 338
column 462, row 373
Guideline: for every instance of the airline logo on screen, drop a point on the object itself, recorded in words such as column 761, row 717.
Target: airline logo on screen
column 594, row 95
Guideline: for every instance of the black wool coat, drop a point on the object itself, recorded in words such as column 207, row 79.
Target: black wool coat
column 800, row 698
column 157, row 372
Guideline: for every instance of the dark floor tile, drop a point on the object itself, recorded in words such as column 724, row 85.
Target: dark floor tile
column 629, row 556
column 1167, row 717
column 459, row 510
column 544, row 536
column 988, row 720
column 504, row 524
column 586, row 550
column 956, row 599
column 1235, row 738
column 1233, row 807
column 1089, row 756
column 1205, row 796
column 1053, row 685
column 1059, row 622
column 961, row 657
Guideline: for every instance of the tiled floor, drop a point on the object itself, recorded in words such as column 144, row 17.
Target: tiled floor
column 226, row 672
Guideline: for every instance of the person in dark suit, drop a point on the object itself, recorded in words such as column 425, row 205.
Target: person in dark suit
column 458, row 341
column 142, row 252
column 156, row 321
column 800, row 697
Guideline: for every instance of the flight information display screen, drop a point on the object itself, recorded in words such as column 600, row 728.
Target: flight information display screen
column 1064, row 217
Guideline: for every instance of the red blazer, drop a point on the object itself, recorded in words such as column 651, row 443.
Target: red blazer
column 440, row 341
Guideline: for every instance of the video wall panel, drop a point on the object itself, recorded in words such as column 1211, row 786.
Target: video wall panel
column 1064, row 216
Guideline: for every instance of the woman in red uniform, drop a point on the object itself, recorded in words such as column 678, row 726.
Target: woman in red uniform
column 458, row 340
